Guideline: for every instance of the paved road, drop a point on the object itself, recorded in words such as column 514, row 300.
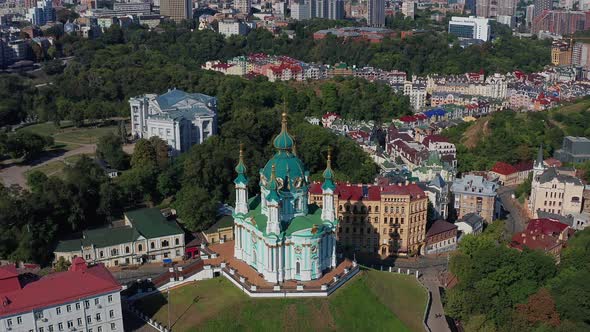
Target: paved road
column 516, row 218
column 14, row 174
column 436, row 314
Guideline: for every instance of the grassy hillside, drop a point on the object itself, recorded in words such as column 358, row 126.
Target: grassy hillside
column 513, row 137
column 375, row 301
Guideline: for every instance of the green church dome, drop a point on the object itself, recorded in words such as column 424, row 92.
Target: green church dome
column 286, row 162
column 283, row 141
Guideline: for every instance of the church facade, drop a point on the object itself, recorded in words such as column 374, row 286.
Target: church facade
column 279, row 233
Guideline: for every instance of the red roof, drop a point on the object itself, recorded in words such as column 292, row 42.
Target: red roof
column 62, row 287
column 357, row 192
column 534, row 241
column 503, row 168
column 8, row 271
column 545, row 226
column 552, row 162
column 524, row 166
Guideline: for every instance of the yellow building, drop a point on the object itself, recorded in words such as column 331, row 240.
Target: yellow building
column 561, row 53
column 379, row 219
column 221, row 231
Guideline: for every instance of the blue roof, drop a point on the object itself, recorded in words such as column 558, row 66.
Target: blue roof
column 174, row 96
column 435, row 112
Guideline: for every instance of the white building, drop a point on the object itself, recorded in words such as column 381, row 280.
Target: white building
column 85, row 298
column 179, row 118
column 408, row 9
column 232, row 27
column 417, row 94
column 470, row 27
column 471, row 223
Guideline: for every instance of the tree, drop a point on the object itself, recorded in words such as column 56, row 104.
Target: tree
column 61, row 265
column 161, row 151
column 539, row 309
column 24, row 144
column 110, row 149
column 53, row 67
column 36, row 180
column 196, row 208
column 144, row 154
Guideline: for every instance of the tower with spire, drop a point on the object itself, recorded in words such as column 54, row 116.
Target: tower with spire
column 241, row 183
column 278, row 233
column 539, row 166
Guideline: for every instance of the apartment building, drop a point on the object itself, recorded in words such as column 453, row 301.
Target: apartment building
column 84, row 298
column 388, row 219
column 474, row 194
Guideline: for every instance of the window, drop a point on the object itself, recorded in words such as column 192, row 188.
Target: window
column 88, row 257
column 88, row 319
column 19, row 320
column 96, row 302
column 98, row 317
column 140, row 248
column 110, row 298
column 70, row 324
column 99, row 329
column 41, row 329
column 69, row 308
column 50, row 328
column 9, row 322
column 58, row 310
column 111, row 313
column 153, row 245
column 297, row 267
column 39, row 315
column 79, row 321
column 78, row 306
column 60, row 326
column 127, row 250
column 101, row 254
column 114, row 252
column 113, row 326
column 176, row 241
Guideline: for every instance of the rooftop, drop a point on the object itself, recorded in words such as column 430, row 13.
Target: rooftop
column 78, row 283
column 440, row 226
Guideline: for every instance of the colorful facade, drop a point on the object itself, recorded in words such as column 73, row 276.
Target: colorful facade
column 278, row 233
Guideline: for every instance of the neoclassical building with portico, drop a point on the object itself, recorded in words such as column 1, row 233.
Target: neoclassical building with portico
column 278, row 233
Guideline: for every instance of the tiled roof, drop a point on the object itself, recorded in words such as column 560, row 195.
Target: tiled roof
column 357, row 192
column 57, row 288
column 503, row 168
column 440, row 226
column 545, row 226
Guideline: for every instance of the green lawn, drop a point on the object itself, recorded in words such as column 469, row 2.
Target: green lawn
column 373, row 301
column 68, row 134
column 51, row 168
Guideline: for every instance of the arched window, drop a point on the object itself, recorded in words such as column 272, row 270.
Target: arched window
column 101, row 254
column 140, row 248
column 127, row 249
column 297, row 267
column 176, row 241
column 340, row 208
column 153, row 245
column 376, row 209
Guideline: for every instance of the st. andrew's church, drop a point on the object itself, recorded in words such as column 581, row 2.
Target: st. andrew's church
column 278, row 233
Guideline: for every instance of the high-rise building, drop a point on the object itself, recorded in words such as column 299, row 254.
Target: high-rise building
column 376, row 13
column 470, row 5
column 494, row 8
column 243, row 6
column 560, row 22
column 581, row 55
column 300, row 11
column 408, row 9
column 321, row 8
column 177, row 10
column 42, row 13
column 540, row 6
column 530, row 10
column 335, row 9
column 470, row 27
